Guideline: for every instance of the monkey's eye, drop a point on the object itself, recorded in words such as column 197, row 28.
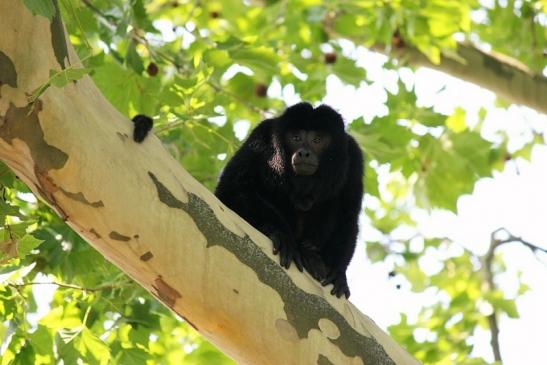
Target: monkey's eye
column 317, row 140
column 296, row 138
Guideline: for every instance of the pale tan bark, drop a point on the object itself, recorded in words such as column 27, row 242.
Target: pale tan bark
column 143, row 212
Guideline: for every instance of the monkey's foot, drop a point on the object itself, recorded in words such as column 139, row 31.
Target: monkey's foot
column 340, row 283
column 287, row 251
column 313, row 263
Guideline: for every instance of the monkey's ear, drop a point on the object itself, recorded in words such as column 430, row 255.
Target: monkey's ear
column 142, row 125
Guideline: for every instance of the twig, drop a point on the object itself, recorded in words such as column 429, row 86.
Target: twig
column 262, row 112
column 487, row 261
column 491, row 286
column 512, row 238
column 70, row 286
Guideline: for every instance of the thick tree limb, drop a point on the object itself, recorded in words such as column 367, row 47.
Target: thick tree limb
column 503, row 75
column 500, row 74
column 142, row 211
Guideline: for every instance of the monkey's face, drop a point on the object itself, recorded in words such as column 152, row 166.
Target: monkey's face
column 305, row 148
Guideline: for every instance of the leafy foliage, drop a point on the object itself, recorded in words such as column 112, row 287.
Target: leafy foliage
column 211, row 70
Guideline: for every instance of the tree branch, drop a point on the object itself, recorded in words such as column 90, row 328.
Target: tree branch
column 488, row 259
column 506, row 77
column 491, row 286
column 511, row 238
column 503, row 75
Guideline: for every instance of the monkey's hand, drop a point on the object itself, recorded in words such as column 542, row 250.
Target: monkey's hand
column 340, row 284
column 312, row 260
column 143, row 125
column 285, row 246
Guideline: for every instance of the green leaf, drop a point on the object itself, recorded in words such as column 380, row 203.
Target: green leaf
column 133, row 59
column 130, row 93
column 25, row 355
column 44, row 8
column 376, row 252
column 348, row 71
column 42, row 341
column 27, row 244
column 7, row 209
column 383, row 140
column 350, row 25
column 371, row 181
column 414, row 275
column 456, row 122
column 140, row 16
column 92, row 348
column 65, row 348
column 133, row 356
column 262, row 60
column 460, row 159
column 63, row 317
column 506, row 305
column 18, row 230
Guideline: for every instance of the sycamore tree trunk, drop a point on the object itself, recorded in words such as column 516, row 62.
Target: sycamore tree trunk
column 143, row 212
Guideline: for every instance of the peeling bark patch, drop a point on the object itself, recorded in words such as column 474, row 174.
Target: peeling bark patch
column 58, row 40
column 23, row 123
column 118, row 236
column 166, row 293
column 46, row 183
column 146, row 256
column 82, row 199
column 329, row 329
column 8, row 75
column 235, row 291
column 350, row 342
column 323, row 360
column 46, row 187
column 286, row 330
column 94, row 232
column 122, row 136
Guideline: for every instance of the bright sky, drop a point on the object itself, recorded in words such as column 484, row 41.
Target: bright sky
column 514, row 199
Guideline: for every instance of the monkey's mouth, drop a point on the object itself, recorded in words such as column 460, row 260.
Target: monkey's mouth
column 304, row 169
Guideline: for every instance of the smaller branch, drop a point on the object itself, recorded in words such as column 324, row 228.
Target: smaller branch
column 489, row 280
column 512, row 238
column 70, row 286
column 262, row 112
column 491, row 286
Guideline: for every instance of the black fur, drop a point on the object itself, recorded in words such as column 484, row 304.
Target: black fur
column 259, row 184
column 143, row 125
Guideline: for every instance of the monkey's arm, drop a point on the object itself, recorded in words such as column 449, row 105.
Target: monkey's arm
column 240, row 189
column 339, row 251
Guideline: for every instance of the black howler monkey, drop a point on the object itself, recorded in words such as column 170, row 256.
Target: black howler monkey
column 298, row 179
